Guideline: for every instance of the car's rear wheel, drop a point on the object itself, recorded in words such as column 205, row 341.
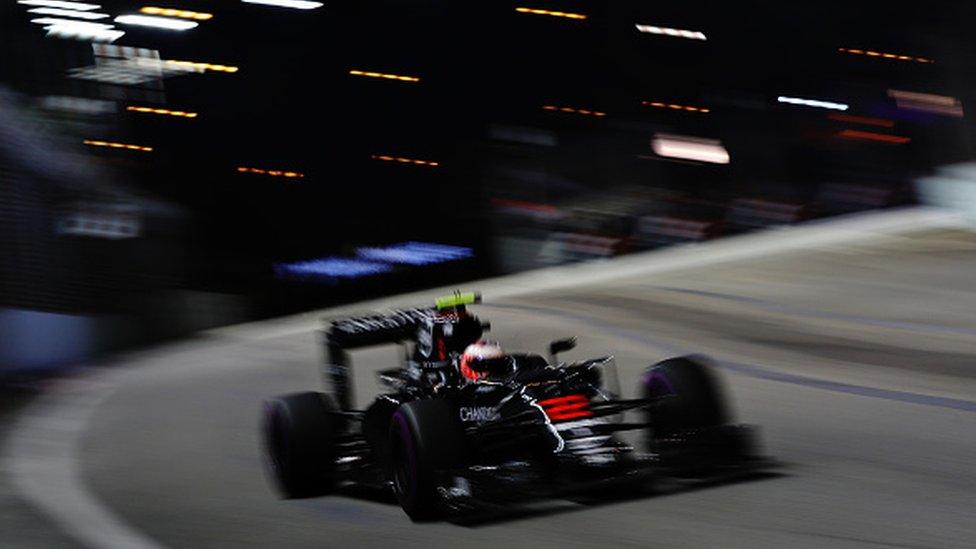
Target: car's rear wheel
column 425, row 438
column 299, row 434
column 692, row 396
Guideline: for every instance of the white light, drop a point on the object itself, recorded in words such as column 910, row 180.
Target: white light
column 927, row 102
column 813, row 103
column 156, row 22
column 82, row 31
column 297, row 4
column 690, row 148
column 81, row 105
column 693, row 35
column 60, row 4
column 74, row 23
column 68, row 13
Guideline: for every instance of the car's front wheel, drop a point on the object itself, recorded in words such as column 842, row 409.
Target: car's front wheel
column 425, row 438
column 691, row 396
column 299, row 443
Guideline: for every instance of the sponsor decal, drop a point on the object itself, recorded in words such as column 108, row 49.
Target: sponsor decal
column 425, row 343
column 397, row 319
column 478, row 414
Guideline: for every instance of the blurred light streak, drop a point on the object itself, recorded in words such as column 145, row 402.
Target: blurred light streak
column 273, row 173
column 330, row 268
column 196, row 65
column 151, row 110
column 518, row 134
column 872, row 136
column 675, row 106
column 523, row 207
column 127, row 65
column 100, row 224
column 60, row 4
column 297, row 4
column 690, row 148
column 74, row 23
column 387, row 76
column 678, row 33
column 813, row 103
column 115, row 145
column 156, row 22
column 171, row 12
column 883, row 55
column 572, row 110
column 927, row 102
column 68, row 13
column 82, row 32
column 79, row 105
column 866, row 120
column 563, row 14
column 415, row 253
column 404, row 160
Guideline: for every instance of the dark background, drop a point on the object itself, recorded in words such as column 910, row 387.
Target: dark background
column 486, row 71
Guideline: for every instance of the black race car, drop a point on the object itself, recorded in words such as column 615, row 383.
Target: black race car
column 528, row 426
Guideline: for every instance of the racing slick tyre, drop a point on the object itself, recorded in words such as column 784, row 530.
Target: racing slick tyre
column 425, row 437
column 299, row 441
column 694, row 396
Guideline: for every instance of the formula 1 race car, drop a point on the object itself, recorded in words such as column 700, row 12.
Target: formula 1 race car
column 455, row 432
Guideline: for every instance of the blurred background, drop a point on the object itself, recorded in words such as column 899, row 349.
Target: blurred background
column 167, row 167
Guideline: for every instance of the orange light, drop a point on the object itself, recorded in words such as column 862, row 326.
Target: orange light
column 182, row 14
column 675, row 106
column 202, row 66
column 150, row 110
column 405, row 160
column 116, row 145
column 884, row 123
column 883, row 55
column 566, row 15
column 272, row 173
column 872, row 136
column 572, row 110
column 387, row 76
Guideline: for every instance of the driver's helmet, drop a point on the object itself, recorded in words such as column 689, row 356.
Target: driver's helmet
column 483, row 358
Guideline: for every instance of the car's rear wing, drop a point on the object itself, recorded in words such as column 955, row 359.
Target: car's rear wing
column 345, row 334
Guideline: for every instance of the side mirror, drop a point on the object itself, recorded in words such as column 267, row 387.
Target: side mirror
column 561, row 346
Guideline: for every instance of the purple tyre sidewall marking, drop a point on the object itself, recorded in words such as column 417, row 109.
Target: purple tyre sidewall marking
column 406, row 438
column 657, row 384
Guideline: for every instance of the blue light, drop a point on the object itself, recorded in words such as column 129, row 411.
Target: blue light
column 415, row 253
column 330, row 268
column 371, row 261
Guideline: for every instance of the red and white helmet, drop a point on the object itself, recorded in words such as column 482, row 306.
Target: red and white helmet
column 479, row 358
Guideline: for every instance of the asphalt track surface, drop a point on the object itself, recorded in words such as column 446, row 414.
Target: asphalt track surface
column 857, row 358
